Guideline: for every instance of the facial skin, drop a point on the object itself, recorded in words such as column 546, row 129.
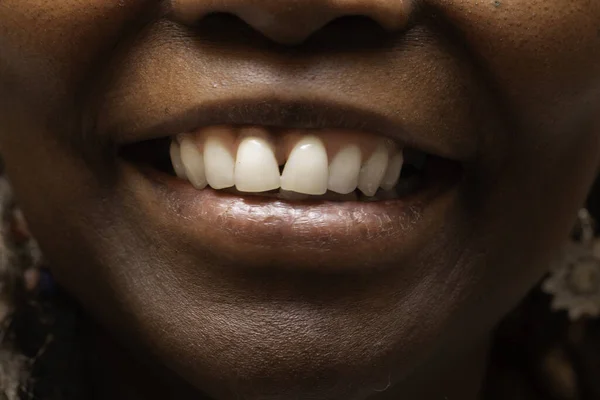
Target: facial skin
column 522, row 75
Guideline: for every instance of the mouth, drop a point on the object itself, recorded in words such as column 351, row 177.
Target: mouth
column 289, row 165
column 267, row 194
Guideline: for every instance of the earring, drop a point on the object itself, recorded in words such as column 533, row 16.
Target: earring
column 574, row 280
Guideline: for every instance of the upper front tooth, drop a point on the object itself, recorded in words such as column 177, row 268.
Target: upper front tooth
column 373, row 170
column 306, row 170
column 193, row 162
column 344, row 170
column 256, row 168
column 394, row 169
column 176, row 160
column 218, row 161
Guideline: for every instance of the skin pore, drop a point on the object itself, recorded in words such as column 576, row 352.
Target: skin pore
column 509, row 89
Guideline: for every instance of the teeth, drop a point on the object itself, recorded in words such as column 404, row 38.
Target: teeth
column 390, row 179
column 176, row 160
column 193, row 162
column 218, row 160
column 306, row 170
column 344, row 170
column 256, row 168
column 373, row 171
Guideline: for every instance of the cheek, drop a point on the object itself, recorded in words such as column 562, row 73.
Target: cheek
column 541, row 60
column 542, row 56
column 50, row 47
column 540, row 33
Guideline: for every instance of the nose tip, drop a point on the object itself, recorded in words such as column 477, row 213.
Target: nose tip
column 293, row 21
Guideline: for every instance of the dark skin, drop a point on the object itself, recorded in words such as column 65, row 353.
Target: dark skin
column 521, row 75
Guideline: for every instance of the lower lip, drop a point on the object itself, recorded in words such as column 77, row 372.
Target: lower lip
column 260, row 232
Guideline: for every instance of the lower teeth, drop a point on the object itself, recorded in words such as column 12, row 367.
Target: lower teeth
column 404, row 187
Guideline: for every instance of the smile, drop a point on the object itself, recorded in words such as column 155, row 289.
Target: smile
column 293, row 165
column 251, row 192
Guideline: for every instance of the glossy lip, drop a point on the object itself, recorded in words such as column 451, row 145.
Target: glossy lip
column 248, row 231
column 261, row 232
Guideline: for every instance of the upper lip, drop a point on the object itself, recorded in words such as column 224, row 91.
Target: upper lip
column 275, row 113
column 423, row 96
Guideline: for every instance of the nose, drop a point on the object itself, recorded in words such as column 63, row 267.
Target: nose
column 293, row 21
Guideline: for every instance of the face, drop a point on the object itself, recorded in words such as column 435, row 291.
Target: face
column 304, row 297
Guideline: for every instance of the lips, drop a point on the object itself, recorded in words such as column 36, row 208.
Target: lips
column 255, row 195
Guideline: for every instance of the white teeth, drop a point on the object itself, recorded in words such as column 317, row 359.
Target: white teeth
column 193, row 163
column 373, row 170
column 344, row 170
column 218, row 160
column 390, row 179
column 306, row 170
column 256, row 168
column 176, row 160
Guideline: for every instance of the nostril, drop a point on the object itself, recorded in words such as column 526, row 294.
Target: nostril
column 349, row 33
column 226, row 28
column 291, row 23
column 237, row 27
column 346, row 33
column 232, row 30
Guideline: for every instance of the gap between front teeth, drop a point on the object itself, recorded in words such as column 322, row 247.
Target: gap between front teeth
column 313, row 164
